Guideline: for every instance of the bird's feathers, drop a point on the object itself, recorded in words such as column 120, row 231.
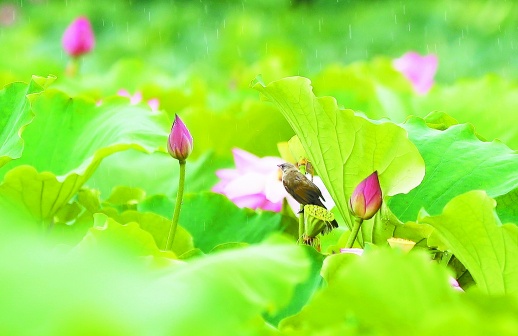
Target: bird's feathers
column 302, row 189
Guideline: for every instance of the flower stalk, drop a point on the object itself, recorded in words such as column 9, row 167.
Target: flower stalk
column 177, row 207
column 354, row 233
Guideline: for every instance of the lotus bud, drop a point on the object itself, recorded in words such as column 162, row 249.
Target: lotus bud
column 78, row 38
column 179, row 144
column 366, row 198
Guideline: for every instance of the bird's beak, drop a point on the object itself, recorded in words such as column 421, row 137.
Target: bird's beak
column 279, row 165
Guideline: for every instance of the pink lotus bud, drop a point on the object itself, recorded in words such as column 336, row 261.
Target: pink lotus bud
column 366, row 198
column 179, row 144
column 78, row 38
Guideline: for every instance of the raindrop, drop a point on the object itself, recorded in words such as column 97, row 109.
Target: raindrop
column 395, row 18
column 409, row 27
column 350, row 32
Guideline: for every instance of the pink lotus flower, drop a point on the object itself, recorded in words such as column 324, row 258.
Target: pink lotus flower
column 179, row 143
column 366, row 198
column 7, row 14
column 78, row 38
column 137, row 98
column 419, row 70
column 256, row 183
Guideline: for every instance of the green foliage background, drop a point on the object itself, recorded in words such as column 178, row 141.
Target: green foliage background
column 88, row 188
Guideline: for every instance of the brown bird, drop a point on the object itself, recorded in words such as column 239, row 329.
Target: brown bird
column 301, row 188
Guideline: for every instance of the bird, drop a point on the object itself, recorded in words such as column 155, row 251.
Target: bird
column 301, row 188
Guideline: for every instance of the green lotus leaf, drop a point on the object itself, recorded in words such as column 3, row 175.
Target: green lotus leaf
column 158, row 227
column 73, row 220
column 373, row 87
column 456, row 162
column 212, row 219
column 473, row 233
column 305, row 290
column 129, row 239
column 65, row 143
column 507, row 206
column 113, row 290
column 477, row 101
column 16, row 114
column 345, row 148
column 384, row 291
column 123, row 196
column 156, row 173
column 297, row 150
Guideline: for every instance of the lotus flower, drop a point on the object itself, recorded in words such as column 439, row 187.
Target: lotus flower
column 137, row 98
column 78, row 38
column 256, row 183
column 7, row 14
column 179, row 144
column 366, row 198
column 419, row 70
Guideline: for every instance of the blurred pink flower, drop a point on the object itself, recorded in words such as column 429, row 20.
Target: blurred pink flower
column 78, row 38
column 137, row 98
column 256, row 183
column 419, row 70
column 7, row 14
column 154, row 103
